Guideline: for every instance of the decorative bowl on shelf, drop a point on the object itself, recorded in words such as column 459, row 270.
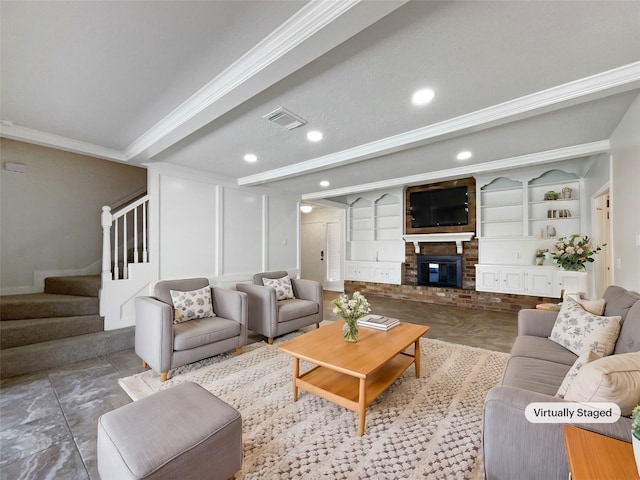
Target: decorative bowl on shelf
column 551, row 195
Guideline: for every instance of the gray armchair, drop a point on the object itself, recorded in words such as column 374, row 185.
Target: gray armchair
column 164, row 346
column 271, row 317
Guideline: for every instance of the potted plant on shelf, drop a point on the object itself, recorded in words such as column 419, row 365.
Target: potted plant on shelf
column 635, row 435
column 539, row 257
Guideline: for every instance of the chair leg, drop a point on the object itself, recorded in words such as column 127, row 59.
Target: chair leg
column 238, row 351
column 163, row 376
column 144, row 364
column 270, row 340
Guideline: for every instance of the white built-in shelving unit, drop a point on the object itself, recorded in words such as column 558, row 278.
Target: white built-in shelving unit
column 375, row 248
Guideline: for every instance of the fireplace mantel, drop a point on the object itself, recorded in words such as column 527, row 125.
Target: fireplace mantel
column 458, row 238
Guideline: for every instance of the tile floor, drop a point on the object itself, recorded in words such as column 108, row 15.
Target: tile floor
column 48, row 419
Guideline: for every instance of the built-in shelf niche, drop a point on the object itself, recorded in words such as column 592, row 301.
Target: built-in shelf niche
column 501, row 204
column 554, row 217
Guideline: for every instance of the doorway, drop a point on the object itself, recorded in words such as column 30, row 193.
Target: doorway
column 321, row 247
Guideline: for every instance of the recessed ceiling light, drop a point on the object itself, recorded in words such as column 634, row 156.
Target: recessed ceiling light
column 423, row 96
column 251, row 158
column 464, row 155
column 324, row 183
column 314, row 136
column 306, row 208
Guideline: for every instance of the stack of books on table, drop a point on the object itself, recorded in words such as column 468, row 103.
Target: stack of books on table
column 379, row 322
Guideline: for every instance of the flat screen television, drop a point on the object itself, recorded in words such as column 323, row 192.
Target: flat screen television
column 439, row 207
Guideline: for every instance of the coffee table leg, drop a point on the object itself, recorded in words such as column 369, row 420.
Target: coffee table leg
column 416, row 357
column 362, row 405
column 296, row 372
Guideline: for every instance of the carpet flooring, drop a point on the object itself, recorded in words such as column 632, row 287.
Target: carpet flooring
column 419, row 428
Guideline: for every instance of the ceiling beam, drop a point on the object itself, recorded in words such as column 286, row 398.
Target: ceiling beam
column 579, row 91
column 548, row 156
column 319, row 26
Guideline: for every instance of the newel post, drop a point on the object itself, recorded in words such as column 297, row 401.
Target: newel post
column 106, row 244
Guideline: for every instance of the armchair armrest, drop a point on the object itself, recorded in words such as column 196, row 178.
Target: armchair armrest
column 154, row 332
column 514, row 447
column 307, row 290
column 262, row 312
column 233, row 305
column 537, row 323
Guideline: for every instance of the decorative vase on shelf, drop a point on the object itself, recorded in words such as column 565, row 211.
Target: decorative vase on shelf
column 350, row 331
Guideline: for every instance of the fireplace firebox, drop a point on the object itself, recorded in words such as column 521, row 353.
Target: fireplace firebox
column 440, row 270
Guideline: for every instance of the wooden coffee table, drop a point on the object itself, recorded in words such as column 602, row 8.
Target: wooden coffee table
column 353, row 375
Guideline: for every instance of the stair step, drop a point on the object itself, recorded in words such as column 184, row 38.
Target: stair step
column 42, row 356
column 81, row 285
column 45, row 305
column 37, row 330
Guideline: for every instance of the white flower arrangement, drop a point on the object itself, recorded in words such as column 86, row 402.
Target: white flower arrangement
column 350, row 309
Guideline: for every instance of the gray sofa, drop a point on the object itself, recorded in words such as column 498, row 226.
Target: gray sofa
column 514, row 447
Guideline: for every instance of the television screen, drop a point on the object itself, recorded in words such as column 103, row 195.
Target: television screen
column 439, row 208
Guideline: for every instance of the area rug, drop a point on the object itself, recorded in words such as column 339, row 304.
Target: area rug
column 419, row 428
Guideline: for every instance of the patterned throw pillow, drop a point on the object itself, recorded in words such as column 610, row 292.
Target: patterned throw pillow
column 191, row 305
column 578, row 330
column 580, row 362
column 284, row 290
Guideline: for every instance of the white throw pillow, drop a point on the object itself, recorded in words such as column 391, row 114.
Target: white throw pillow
column 284, row 290
column 610, row 379
column 578, row 330
column 592, row 306
column 191, row 305
column 580, row 362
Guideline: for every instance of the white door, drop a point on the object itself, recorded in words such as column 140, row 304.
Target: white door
column 313, row 252
column 602, row 234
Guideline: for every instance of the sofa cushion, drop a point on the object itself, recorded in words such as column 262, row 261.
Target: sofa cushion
column 535, row 375
column 611, row 379
column 296, row 308
column 581, row 361
column 203, row 331
column 578, row 330
column 191, row 305
column 619, row 301
column 284, row 290
column 542, row 348
column 629, row 338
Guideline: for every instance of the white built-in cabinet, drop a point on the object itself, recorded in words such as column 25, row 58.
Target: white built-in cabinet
column 517, row 214
column 535, row 280
column 375, row 248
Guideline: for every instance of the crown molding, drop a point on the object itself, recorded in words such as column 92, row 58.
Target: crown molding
column 28, row 135
column 596, row 86
column 548, row 156
column 307, row 21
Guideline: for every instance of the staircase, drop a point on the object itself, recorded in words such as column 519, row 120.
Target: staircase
column 60, row 326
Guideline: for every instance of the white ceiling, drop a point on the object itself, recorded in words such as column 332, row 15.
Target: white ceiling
column 188, row 82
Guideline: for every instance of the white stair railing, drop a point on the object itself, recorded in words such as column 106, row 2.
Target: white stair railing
column 134, row 217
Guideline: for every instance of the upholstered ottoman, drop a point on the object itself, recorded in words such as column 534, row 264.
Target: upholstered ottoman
column 183, row 432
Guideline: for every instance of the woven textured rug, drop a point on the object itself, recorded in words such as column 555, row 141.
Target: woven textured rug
column 419, row 428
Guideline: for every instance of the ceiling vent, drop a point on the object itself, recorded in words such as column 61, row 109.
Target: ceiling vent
column 285, row 118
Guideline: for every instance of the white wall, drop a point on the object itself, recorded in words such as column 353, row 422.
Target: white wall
column 625, row 199
column 50, row 215
column 202, row 225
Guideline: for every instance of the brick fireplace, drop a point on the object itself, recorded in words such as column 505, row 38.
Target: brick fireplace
column 467, row 296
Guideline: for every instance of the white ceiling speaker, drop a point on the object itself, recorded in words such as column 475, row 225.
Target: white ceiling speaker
column 283, row 117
